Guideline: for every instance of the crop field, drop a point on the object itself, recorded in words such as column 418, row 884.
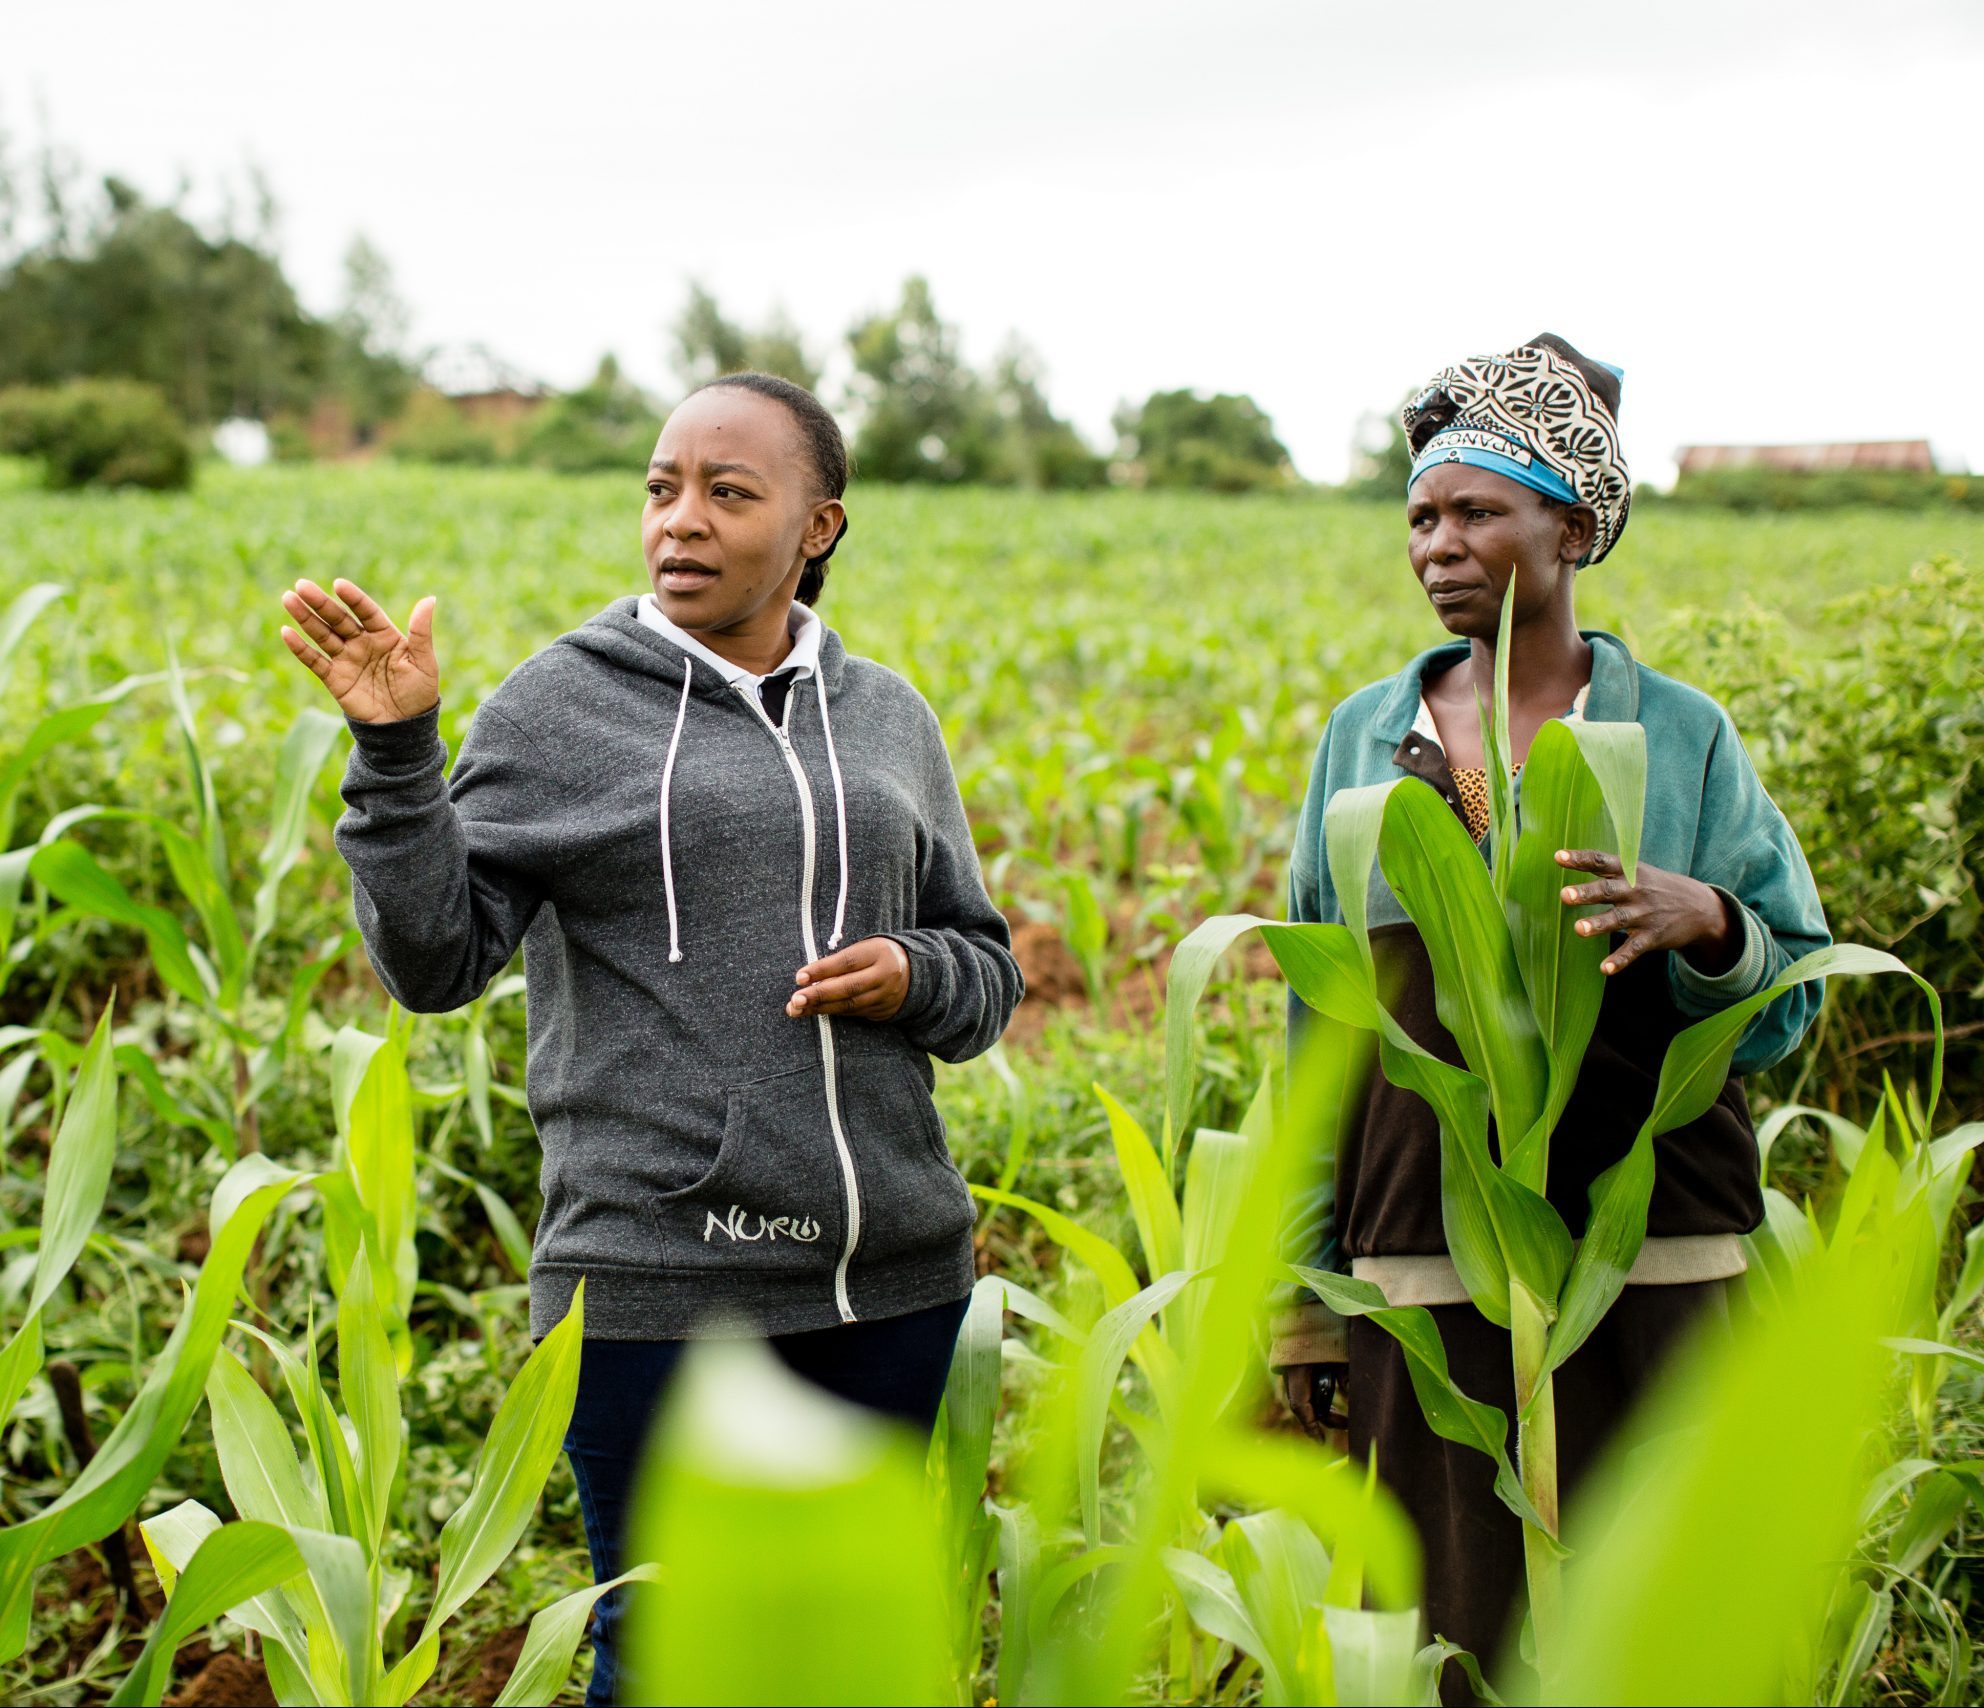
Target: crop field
column 213, row 1129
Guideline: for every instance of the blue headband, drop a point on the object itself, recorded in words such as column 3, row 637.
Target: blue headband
column 1494, row 450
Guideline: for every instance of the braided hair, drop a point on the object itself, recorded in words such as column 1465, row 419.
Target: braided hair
column 824, row 445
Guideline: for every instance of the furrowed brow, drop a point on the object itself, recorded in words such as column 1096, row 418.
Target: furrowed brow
column 712, row 470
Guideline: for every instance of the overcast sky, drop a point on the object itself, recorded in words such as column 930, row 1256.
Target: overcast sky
column 1766, row 213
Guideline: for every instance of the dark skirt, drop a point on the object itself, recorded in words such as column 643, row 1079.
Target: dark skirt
column 1473, row 1543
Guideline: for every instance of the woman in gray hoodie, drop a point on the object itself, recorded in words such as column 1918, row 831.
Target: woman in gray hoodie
column 751, row 911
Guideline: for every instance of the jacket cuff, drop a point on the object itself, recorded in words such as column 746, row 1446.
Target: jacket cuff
column 1702, row 994
column 929, row 975
column 1308, row 1334
column 401, row 748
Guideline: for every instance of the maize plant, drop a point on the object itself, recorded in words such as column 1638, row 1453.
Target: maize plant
column 1520, row 990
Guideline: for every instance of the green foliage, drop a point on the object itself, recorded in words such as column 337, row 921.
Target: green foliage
column 433, row 429
column 609, row 423
column 707, row 346
column 98, row 433
column 1221, row 443
column 1763, row 489
column 924, row 415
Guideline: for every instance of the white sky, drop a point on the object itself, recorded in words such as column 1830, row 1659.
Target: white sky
column 1767, row 213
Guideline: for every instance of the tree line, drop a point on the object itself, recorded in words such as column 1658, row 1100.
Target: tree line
column 100, row 284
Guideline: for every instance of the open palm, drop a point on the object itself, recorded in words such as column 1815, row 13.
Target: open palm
column 376, row 674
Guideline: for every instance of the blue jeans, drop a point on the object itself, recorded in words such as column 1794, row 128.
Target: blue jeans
column 896, row 1366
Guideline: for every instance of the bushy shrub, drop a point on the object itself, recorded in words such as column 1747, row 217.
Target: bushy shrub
column 98, row 433
column 1827, row 489
column 1876, row 754
column 434, row 430
column 607, row 424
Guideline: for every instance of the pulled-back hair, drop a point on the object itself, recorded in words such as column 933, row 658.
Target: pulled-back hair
column 824, row 446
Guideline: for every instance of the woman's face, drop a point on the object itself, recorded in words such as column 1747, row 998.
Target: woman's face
column 1468, row 531
column 733, row 510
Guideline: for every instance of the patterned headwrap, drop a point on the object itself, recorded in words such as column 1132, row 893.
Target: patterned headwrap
column 1543, row 415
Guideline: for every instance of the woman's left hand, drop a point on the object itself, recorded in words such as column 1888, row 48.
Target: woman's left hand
column 868, row 980
column 1658, row 910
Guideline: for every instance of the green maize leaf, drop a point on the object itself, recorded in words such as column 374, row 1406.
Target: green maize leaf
column 330, row 1453
column 55, row 729
column 1432, row 1662
column 1148, row 1185
column 552, row 1643
column 1441, row 883
column 172, row 1538
column 258, row 1463
column 1616, row 754
column 1110, row 1267
column 1692, row 1074
column 475, row 1086
column 108, row 1489
column 971, row 1404
column 1935, row 1349
column 1326, row 969
column 1214, row 1606
column 304, row 750
column 1280, row 1573
column 69, row 873
column 1450, row 1414
column 1870, row 1612
column 1100, row 1363
column 213, row 829
column 21, row 613
column 139, row 1067
column 205, row 889
column 1023, row 1302
column 344, row 1653
column 1328, row 1493
column 1218, row 1170
column 1060, row 1581
column 523, row 1443
column 796, row 1545
column 1192, row 963
column 1969, row 1282
column 20, row 1362
column 79, row 1162
column 1562, row 807
column 368, row 1382
column 1352, row 824
column 1017, row 1574
column 234, row 1564
column 1933, row 1510
column 1498, row 748
column 1721, row 1512
column 1847, row 1137
column 13, row 879
column 373, row 1103
column 1373, row 1654
column 503, row 1223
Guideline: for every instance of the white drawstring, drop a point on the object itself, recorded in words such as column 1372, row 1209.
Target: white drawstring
column 667, row 780
column 840, row 810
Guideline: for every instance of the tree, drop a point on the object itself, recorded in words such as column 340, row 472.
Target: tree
column 1222, row 443
column 608, row 423
column 367, row 366
column 707, row 346
column 924, row 414
column 1037, row 448
column 1381, row 460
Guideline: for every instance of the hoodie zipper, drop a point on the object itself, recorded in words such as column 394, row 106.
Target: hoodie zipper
column 803, row 786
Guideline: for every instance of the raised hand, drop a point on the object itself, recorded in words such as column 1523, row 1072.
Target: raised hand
column 376, row 674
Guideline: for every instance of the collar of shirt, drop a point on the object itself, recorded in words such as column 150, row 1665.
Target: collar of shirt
column 806, row 630
column 1424, row 726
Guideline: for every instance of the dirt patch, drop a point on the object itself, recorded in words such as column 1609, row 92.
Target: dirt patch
column 494, row 1662
column 1053, row 978
column 228, row 1680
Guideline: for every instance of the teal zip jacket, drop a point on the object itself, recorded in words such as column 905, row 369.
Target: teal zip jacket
column 1708, row 815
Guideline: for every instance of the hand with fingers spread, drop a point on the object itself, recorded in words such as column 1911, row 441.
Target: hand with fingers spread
column 1658, row 910
column 376, row 674
column 868, row 980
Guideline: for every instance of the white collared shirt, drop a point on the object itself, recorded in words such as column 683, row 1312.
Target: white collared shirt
column 806, row 629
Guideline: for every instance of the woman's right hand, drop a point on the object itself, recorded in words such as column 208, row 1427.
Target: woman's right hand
column 376, row 674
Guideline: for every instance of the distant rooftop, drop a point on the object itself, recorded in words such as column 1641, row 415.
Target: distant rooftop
column 473, row 370
column 1912, row 455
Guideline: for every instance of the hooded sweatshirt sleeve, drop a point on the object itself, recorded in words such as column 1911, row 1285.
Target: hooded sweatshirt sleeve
column 963, row 981
column 446, row 875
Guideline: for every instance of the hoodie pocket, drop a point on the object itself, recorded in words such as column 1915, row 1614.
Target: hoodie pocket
column 773, row 1198
column 912, row 1195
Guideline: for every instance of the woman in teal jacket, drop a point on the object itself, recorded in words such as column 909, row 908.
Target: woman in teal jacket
column 1517, row 476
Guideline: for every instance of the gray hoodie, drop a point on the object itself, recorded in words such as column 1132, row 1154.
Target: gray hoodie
column 668, row 858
